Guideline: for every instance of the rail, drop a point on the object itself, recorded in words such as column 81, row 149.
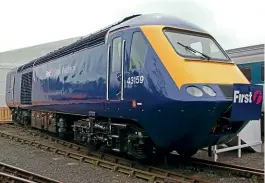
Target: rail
column 241, row 170
column 148, row 173
column 11, row 178
column 10, row 173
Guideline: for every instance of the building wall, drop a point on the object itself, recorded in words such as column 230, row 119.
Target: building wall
column 14, row 58
column 20, row 56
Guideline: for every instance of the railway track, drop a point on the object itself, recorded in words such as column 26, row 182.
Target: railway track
column 150, row 174
column 239, row 170
column 13, row 174
column 244, row 171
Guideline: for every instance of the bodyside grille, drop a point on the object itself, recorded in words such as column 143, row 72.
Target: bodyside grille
column 26, row 88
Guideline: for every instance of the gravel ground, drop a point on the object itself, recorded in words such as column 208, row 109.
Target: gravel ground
column 254, row 160
column 57, row 167
column 248, row 158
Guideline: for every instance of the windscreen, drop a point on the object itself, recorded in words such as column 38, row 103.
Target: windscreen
column 195, row 45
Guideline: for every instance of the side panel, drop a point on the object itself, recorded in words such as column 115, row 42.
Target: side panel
column 63, row 84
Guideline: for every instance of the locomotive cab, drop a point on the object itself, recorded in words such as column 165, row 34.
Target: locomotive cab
column 192, row 56
column 205, row 78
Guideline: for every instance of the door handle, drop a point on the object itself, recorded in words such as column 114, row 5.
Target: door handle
column 119, row 76
column 118, row 93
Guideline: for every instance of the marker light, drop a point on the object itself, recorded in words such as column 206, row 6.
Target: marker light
column 209, row 91
column 194, row 91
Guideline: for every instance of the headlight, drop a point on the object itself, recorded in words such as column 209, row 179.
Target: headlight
column 194, row 91
column 209, row 91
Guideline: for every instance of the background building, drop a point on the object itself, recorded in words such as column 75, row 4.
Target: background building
column 250, row 60
column 14, row 58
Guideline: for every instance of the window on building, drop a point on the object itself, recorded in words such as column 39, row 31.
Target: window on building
column 138, row 51
column 116, row 55
column 262, row 72
column 246, row 71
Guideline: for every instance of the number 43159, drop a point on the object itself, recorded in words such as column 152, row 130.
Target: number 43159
column 135, row 80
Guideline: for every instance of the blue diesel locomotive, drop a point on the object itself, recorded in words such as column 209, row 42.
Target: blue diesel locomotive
column 147, row 84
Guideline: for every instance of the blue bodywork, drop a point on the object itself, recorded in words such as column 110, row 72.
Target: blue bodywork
column 76, row 84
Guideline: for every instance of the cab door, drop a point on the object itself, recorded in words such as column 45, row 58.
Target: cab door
column 11, row 89
column 137, row 67
column 115, row 67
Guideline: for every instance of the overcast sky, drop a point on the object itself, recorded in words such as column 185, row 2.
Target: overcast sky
column 234, row 23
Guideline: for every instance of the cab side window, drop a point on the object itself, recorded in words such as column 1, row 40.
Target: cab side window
column 116, row 55
column 138, row 51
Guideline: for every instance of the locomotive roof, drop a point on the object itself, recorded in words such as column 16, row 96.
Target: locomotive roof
column 158, row 19
column 98, row 37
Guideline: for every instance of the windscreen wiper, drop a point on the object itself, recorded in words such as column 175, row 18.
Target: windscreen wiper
column 195, row 51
